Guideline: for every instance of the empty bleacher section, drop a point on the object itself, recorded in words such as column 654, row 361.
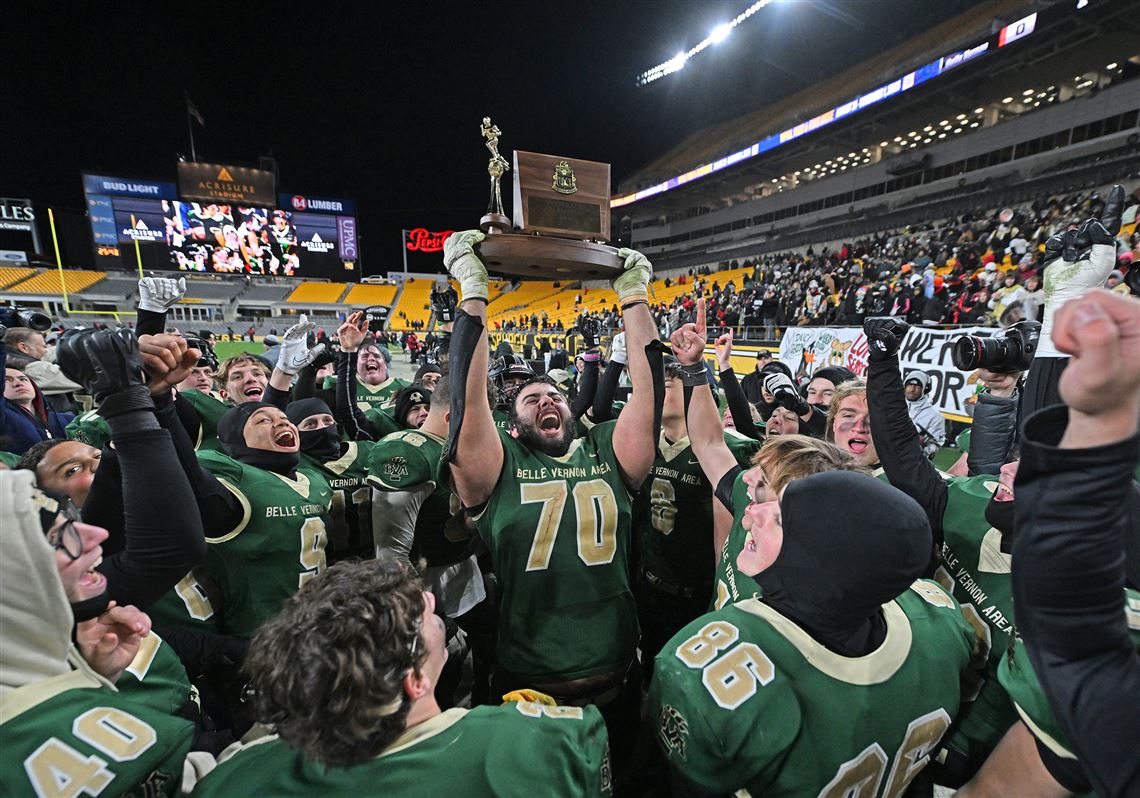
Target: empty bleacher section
column 213, row 290
column 48, row 282
column 309, row 293
column 366, row 295
column 10, row 275
column 266, row 292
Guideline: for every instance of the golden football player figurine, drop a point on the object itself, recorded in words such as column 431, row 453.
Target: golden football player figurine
column 496, row 167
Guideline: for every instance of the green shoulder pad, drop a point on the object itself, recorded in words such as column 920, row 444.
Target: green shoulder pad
column 221, row 465
column 400, row 462
column 382, row 421
column 90, row 428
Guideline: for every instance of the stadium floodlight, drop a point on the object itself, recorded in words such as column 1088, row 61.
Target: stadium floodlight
column 979, row 110
column 1113, row 65
column 1007, row 100
column 718, row 34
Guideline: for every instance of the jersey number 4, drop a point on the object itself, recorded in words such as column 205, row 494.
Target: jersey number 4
column 55, row 768
column 595, row 509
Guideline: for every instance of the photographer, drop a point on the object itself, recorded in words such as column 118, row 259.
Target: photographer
column 28, row 351
column 927, row 419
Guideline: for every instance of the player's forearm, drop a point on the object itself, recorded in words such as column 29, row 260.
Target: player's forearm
column 634, row 428
column 706, row 434
column 475, row 453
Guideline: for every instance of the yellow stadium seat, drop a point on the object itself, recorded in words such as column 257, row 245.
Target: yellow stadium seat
column 10, row 275
column 48, row 282
column 321, row 293
column 364, row 294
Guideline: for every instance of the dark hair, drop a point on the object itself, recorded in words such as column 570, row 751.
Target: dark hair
column 328, row 670
column 30, row 460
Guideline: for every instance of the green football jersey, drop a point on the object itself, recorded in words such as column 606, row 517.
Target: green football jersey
column 410, row 460
column 156, row 677
column 350, row 527
column 559, row 532
column 517, row 749
column 193, row 604
column 732, row 585
column 743, row 698
column 502, row 420
column 278, row 545
column 210, row 408
column 1017, row 677
column 673, row 514
column 9, row 459
column 382, row 421
column 973, row 566
column 67, row 736
column 90, row 428
column 382, row 395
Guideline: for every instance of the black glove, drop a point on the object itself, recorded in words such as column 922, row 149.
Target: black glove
column 884, row 336
column 1061, row 246
column 443, row 304
column 102, row 361
column 784, row 391
column 589, row 330
column 327, row 355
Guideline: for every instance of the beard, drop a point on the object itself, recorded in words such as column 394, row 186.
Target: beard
column 551, row 447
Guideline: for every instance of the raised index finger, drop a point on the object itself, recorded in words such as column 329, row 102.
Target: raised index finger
column 701, row 316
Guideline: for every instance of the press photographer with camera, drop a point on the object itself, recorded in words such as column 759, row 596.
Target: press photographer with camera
column 28, row 351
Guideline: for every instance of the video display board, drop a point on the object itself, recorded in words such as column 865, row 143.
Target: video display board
column 175, row 233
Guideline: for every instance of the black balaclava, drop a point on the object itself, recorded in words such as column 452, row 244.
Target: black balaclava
column 837, row 567
column 836, row 374
column 322, row 444
column 231, row 434
column 407, row 398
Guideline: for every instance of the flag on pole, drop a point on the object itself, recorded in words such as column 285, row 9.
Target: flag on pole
column 194, row 112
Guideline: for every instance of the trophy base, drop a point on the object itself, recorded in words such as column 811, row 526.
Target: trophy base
column 495, row 223
column 547, row 257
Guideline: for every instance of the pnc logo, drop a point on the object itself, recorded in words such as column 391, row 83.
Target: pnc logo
column 299, row 202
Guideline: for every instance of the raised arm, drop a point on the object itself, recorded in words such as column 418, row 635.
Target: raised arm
column 738, row 404
column 897, row 442
column 588, row 331
column 1074, row 533
column 352, row 421
column 293, row 356
column 603, row 409
column 475, row 452
column 701, row 417
column 635, row 441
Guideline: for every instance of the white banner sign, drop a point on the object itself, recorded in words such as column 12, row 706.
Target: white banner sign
column 806, row 349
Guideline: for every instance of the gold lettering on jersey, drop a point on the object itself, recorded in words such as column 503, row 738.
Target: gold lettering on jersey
column 293, row 511
column 563, row 472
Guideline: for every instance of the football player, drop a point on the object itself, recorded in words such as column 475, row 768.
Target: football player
column 553, row 509
column 66, row 731
column 844, row 674
column 345, row 674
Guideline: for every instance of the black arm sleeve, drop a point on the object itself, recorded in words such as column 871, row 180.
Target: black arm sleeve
column 306, row 385
column 202, row 651
column 992, row 433
column 603, row 409
column 738, row 405
column 148, row 322
column 351, row 418
column 816, row 423
column 162, row 526
column 723, row 490
column 896, row 441
column 278, row 398
column 587, row 388
column 1068, row 587
column 104, row 503
column 220, row 509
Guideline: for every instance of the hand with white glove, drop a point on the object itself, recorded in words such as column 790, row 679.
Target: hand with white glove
column 295, row 353
column 617, row 349
column 1078, row 261
column 158, row 294
column 784, row 390
column 632, row 285
column 464, row 265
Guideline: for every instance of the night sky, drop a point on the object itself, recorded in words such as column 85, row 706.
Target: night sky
column 382, row 102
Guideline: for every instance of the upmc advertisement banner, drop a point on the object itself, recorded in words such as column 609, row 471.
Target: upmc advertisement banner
column 220, row 183
column 806, row 349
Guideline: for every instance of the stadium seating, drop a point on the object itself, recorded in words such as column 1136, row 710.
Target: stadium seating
column 266, row 292
column 319, row 293
column 10, row 275
column 366, row 295
column 48, row 282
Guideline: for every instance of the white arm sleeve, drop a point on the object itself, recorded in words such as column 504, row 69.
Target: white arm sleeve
column 394, row 516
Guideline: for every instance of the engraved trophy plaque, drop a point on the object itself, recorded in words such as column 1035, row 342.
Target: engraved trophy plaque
column 561, row 216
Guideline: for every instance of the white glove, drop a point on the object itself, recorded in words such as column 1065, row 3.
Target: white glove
column 633, row 283
column 464, row 265
column 295, row 354
column 617, row 349
column 158, row 294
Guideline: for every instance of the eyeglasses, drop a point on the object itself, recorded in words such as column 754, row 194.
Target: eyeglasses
column 66, row 537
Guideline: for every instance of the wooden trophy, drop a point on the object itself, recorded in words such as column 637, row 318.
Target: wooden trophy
column 561, row 218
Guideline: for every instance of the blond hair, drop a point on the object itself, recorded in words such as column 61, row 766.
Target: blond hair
column 855, row 387
column 786, row 458
column 230, row 363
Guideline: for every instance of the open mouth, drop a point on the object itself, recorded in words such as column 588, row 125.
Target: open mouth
column 858, row 445
column 93, row 578
column 550, row 422
column 372, row 368
column 285, row 439
column 1003, row 494
column 253, row 392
